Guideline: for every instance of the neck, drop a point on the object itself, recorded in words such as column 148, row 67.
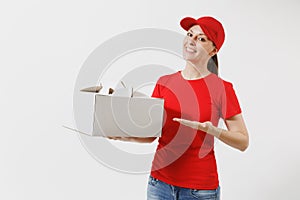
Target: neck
column 192, row 71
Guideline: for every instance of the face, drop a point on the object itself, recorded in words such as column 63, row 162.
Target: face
column 196, row 45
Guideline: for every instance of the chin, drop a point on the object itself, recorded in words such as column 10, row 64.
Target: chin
column 188, row 58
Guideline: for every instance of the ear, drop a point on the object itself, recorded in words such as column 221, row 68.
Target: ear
column 213, row 52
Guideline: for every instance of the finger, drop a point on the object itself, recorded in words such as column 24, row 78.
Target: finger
column 181, row 120
column 176, row 119
column 186, row 122
column 114, row 138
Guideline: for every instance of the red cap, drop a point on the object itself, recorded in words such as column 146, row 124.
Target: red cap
column 211, row 27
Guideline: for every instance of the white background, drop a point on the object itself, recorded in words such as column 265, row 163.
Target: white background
column 43, row 45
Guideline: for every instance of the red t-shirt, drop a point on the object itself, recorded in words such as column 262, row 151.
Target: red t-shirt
column 184, row 156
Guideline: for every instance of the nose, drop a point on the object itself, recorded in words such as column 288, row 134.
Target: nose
column 192, row 41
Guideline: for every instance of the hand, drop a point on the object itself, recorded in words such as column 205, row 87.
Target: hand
column 194, row 124
column 202, row 126
column 120, row 138
column 134, row 139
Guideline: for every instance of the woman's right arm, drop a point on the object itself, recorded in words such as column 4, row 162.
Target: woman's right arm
column 134, row 139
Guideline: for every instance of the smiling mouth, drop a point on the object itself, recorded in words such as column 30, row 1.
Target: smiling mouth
column 190, row 50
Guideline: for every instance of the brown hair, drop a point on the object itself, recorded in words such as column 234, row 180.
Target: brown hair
column 213, row 65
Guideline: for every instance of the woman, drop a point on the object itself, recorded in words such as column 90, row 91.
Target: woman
column 184, row 165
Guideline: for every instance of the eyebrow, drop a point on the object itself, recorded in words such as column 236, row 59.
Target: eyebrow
column 197, row 34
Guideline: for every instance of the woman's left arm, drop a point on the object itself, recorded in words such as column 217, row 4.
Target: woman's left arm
column 236, row 136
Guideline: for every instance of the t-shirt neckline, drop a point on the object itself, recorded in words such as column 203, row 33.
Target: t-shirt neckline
column 198, row 79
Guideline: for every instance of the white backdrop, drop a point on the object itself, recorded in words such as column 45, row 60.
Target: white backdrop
column 43, row 45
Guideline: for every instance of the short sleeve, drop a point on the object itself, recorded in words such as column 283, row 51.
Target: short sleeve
column 156, row 90
column 230, row 105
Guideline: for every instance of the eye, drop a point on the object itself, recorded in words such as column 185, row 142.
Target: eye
column 189, row 34
column 201, row 39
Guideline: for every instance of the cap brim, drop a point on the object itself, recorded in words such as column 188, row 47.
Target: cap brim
column 187, row 23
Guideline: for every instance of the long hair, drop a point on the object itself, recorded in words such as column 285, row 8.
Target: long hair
column 213, row 65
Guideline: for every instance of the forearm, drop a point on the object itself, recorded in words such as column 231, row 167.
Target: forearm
column 236, row 136
column 236, row 139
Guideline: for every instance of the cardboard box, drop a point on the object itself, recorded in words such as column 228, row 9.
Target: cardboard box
column 122, row 114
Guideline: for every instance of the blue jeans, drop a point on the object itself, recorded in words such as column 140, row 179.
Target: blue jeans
column 158, row 190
